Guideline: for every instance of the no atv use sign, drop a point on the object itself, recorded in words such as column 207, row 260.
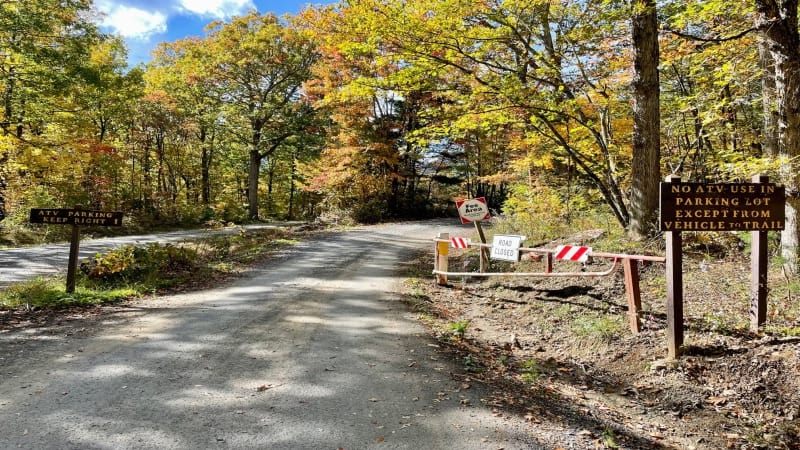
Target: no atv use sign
column 474, row 210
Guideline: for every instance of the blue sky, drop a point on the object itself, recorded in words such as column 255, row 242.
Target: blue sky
column 145, row 23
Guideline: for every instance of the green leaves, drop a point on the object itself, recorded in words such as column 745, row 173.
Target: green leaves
column 409, row 97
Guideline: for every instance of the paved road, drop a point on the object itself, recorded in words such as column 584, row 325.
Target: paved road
column 313, row 350
column 25, row 263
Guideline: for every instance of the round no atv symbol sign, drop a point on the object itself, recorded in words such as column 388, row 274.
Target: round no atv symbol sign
column 474, row 210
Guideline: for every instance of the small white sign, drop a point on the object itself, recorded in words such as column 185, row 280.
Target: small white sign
column 506, row 247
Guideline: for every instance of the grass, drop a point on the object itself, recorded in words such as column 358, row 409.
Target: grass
column 604, row 328
column 530, row 371
column 787, row 331
column 416, row 296
column 609, row 438
column 725, row 324
column 51, row 293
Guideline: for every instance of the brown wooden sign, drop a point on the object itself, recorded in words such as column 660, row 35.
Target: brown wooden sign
column 722, row 207
column 757, row 207
column 76, row 217
column 60, row 216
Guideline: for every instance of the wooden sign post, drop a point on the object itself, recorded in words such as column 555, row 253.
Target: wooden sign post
column 758, row 268
column 75, row 217
column 757, row 207
column 72, row 265
column 476, row 210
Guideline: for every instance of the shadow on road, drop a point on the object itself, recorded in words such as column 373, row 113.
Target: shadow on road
column 311, row 350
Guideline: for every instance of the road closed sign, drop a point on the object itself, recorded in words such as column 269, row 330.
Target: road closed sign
column 506, row 247
column 474, row 210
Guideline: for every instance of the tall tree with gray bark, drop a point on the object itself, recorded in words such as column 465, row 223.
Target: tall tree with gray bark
column 777, row 21
column 646, row 165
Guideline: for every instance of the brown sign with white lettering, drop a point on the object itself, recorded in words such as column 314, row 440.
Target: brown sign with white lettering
column 76, row 217
column 722, row 207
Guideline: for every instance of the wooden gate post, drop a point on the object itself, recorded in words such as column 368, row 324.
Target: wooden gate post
column 758, row 276
column 442, row 255
column 674, row 288
column 633, row 293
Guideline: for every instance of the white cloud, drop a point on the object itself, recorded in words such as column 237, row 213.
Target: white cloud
column 142, row 23
column 218, row 9
column 132, row 22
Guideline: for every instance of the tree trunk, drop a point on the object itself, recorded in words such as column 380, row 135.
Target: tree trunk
column 206, row 146
column 646, row 164
column 252, row 183
column 292, row 185
column 205, row 177
column 777, row 21
column 147, row 176
column 270, row 184
column 3, row 183
column 769, row 140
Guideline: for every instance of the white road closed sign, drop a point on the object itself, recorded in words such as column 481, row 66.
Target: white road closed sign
column 506, row 247
column 474, row 210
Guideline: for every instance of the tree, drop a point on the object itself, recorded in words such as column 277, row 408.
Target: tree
column 179, row 70
column 719, row 33
column 258, row 66
column 711, row 126
column 105, row 91
column 39, row 53
column 530, row 65
column 778, row 21
column 370, row 168
column 646, row 164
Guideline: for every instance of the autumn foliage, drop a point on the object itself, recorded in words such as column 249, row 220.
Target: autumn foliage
column 374, row 110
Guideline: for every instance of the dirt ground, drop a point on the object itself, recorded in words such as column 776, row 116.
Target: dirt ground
column 566, row 341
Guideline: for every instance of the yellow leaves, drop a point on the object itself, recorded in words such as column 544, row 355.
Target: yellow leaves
column 543, row 159
column 7, row 143
column 353, row 49
column 110, row 54
column 355, row 91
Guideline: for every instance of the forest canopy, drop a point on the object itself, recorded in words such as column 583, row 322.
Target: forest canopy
column 383, row 109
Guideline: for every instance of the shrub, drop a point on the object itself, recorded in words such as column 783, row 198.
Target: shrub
column 130, row 263
column 459, row 329
column 113, row 264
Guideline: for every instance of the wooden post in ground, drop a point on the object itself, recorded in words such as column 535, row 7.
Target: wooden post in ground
column 484, row 250
column 633, row 293
column 674, row 288
column 72, row 268
column 674, row 293
column 758, row 276
column 441, row 260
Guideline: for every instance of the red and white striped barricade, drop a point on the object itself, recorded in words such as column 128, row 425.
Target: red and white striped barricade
column 459, row 242
column 573, row 253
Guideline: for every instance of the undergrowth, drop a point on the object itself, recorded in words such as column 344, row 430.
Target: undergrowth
column 51, row 293
column 131, row 271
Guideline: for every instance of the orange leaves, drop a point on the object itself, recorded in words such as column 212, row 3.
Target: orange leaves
column 158, row 96
column 103, row 149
